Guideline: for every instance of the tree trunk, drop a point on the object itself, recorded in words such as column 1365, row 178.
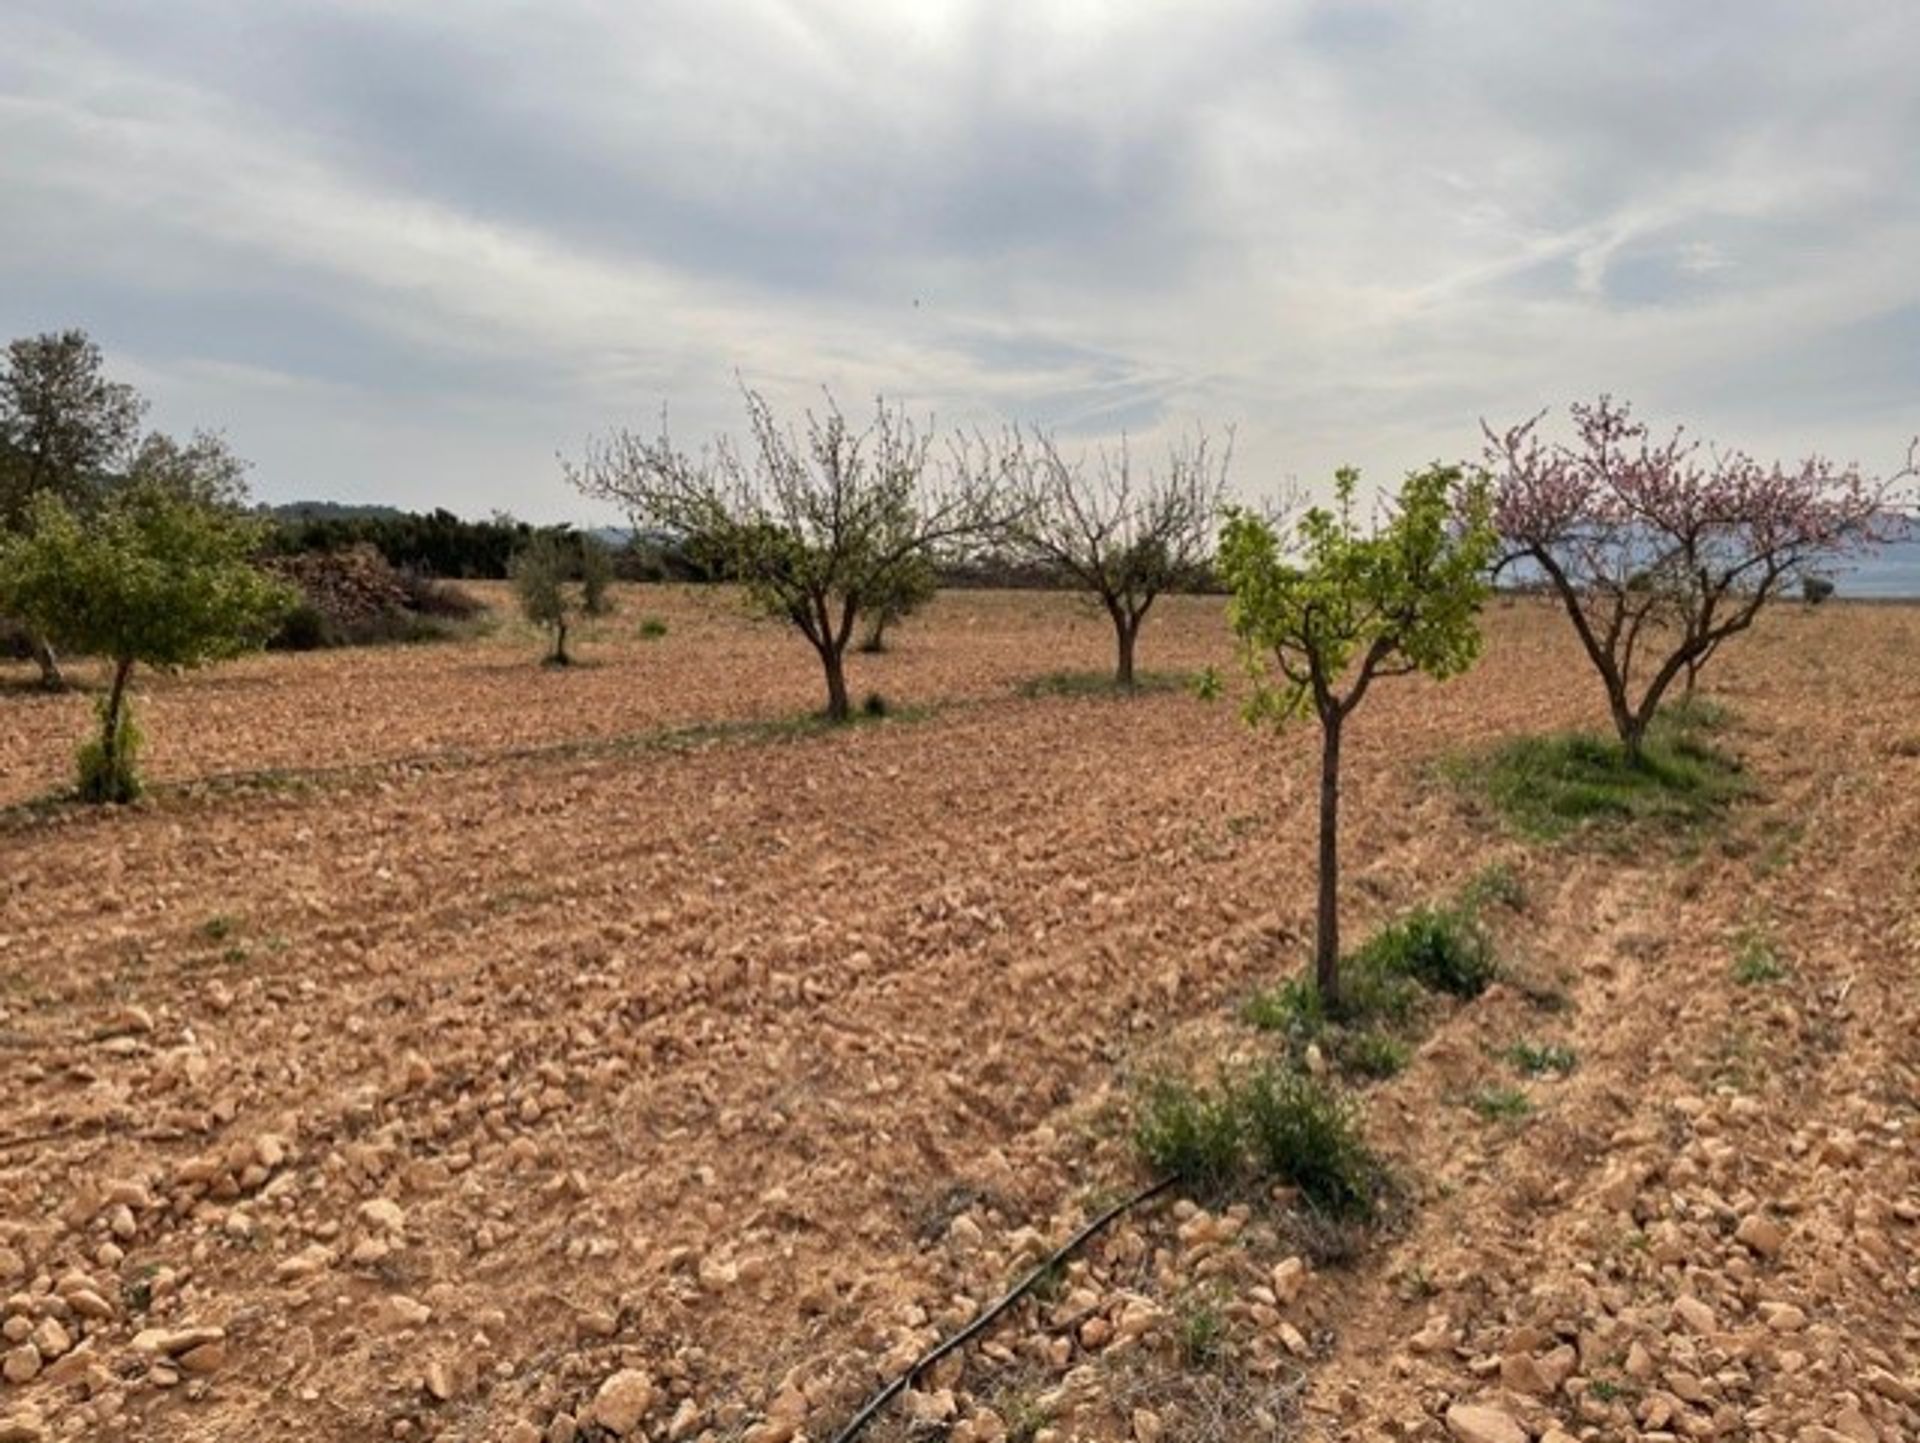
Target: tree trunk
column 560, row 657
column 1326, row 932
column 1126, row 631
column 50, row 674
column 110, row 716
column 838, row 708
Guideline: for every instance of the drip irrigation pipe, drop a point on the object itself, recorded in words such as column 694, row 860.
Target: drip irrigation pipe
column 985, row 1320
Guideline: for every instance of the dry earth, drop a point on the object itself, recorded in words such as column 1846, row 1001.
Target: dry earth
column 488, row 1067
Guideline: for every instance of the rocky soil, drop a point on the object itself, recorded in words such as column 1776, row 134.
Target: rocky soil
column 465, row 1085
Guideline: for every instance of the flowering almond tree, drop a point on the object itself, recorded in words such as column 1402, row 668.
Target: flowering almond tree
column 1660, row 550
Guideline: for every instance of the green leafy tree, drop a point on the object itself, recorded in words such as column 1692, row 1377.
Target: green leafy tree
column 816, row 524
column 543, row 576
column 903, row 592
column 150, row 578
column 1320, row 622
column 65, row 431
column 596, row 576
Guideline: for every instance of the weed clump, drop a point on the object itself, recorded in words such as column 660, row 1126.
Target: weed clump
column 1550, row 786
column 1274, row 1122
column 1444, row 951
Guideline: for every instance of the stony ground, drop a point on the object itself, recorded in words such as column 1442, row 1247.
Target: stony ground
column 498, row 1067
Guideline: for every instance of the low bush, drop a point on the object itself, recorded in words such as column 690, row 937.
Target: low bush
column 1300, row 1129
column 1189, row 1132
column 1274, row 1122
column 652, row 628
column 112, row 778
column 1443, row 950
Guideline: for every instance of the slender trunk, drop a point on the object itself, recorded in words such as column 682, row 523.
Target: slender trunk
column 110, row 716
column 838, row 708
column 51, row 676
column 1326, row 933
column 560, row 657
column 1126, row 631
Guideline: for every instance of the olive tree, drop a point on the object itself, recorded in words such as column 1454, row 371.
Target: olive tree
column 65, row 431
column 1320, row 620
column 817, row 523
column 151, row 578
column 1660, row 551
column 1120, row 536
column 543, row 573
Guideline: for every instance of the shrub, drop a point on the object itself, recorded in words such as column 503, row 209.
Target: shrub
column 109, row 770
column 1301, row 1129
column 1189, row 1132
column 304, row 629
column 1372, row 1054
column 652, row 629
column 1444, row 951
column 1815, row 589
column 875, row 705
column 1756, row 963
column 1500, row 1104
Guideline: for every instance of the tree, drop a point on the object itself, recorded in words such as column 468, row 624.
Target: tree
column 906, row 590
column 543, row 574
column 1121, row 537
column 203, row 471
column 596, row 576
column 1349, row 606
column 817, row 524
column 1658, row 551
column 151, row 578
column 65, row 430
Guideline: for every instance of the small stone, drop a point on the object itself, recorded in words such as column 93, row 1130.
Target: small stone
column 384, row 1214
column 22, row 1364
column 205, row 1359
column 621, row 1402
column 1289, row 1277
column 1760, row 1234
column 25, row 1426
column 439, row 1381
column 964, row 1235
column 50, row 1339
column 1483, row 1423
column 1694, row 1315
column 1147, row 1427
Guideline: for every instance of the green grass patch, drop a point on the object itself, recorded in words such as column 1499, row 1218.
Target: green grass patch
column 1541, row 1059
column 1500, row 1104
column 1756, row 963
column 652, row 628
column 1190, row 1132
column 1551, row 786
column 1444, row 950
column 1374, row 1055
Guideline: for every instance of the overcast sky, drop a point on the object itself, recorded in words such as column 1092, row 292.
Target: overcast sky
column 407, row 252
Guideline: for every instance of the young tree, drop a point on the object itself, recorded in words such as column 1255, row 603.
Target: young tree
column 596, row 576
column 65, row 431
column 203, row 471
column 1121, row 537
column 816, row 525
column 1317, row 627
column 542, row 573
column 907, row 589
column 151, row 578
column 1659, row 551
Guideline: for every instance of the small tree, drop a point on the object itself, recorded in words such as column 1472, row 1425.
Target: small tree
column 65, row 431
column 908, row 588
column 1121, row 537
column 1351, row 605
column 596, row 576
column 816, row 525
column 151, row 578
column 542, row 573
column 1660, row 552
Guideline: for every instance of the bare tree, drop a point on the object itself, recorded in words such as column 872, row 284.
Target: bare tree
column 1659, row 551
column 816, row 523
column 1123, row 537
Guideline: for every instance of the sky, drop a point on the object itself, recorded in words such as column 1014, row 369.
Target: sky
column 413, row 252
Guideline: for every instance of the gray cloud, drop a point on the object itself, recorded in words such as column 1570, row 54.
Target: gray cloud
column 408, row 250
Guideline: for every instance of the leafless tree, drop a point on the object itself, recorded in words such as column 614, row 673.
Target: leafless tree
column 816, row 522
column 1119, row 535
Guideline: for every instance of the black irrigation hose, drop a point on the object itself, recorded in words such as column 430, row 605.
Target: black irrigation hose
column 981, row 1323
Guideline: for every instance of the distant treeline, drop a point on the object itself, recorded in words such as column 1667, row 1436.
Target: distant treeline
column 439, row 543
